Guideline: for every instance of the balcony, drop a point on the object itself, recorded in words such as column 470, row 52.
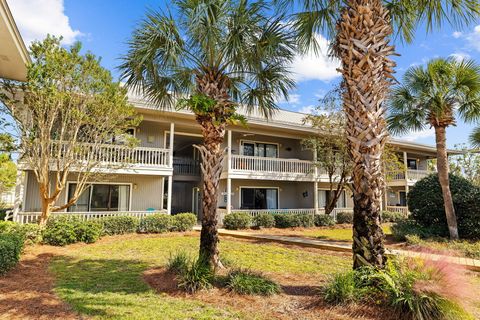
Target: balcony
column 412, row 176
column 249, row 167
column 186, row 166
column 117, row 158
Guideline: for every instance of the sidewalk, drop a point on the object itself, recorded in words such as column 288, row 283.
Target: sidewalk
column 470, row 264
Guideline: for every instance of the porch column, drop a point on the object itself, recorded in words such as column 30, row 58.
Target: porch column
column 229, row 180
column 169, row 195
column 315, row 183
column 19, row 192
column 405, row 163
column 163, row 193
column 172, row 133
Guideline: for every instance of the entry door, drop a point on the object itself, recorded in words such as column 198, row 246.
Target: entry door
column 181, row 197
column 403, row 198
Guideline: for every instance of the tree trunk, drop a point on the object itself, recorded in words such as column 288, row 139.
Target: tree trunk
column 46, row 211
column 211, row 166
column 442, row 168
column 362, row 44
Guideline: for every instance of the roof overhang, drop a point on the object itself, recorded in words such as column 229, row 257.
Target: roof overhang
column 13, row 53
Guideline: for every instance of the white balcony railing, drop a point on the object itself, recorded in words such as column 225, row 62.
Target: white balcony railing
column 417, row 174
column 402, row 210
column 117, row 154
column 32, row 217
column 274, row 165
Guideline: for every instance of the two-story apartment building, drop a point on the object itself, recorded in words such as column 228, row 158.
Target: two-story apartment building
column 266, row 168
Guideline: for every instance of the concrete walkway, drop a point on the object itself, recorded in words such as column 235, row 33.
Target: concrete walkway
column 468, row 263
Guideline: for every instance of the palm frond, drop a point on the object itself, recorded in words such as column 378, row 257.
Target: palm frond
column 475, row 137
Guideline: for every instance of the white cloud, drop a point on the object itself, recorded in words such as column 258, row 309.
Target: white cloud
column 459, row 56
column 37, row 18
column 457, row 34
column 473, row 38
column 310, row 109
column 293, row 98
column 316, row 67
column 414, row 136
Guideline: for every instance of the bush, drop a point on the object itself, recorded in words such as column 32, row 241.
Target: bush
column 6, row 226
column 391, row 216
column 344, row 217
column 60, row 231
column 403, row 228
column 11, row 246
column 197, row 276
column 324, row 220
column 305, row 220
column 155, row 223
column 425, row 202
column 249, row 282
column 30, row 232
column 286, row 220
column 119, row 225
column 88, row 231
column 237, row 221
column 264, row 220
column 341, row 288
column 184, row 221
column 178, row 263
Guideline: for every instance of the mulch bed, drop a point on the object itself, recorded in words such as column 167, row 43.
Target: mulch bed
column 299, row 299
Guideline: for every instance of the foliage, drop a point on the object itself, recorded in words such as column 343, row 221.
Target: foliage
column 184, row 221
column 30, row 232
column 425, row 202
column 63, row 230
column 344, row 217
column 305, row 220
column 178, row 263
column 197, row 276
column 470, row 249
column 237, row 221
column 119, row 225
column 403, row 228
column 264, row 220
column 155, row 223
column 342, row 288
column 286, row 220
column 324, row 220
column 69, row 99
column 8, row 172
column 11, row 246
column 249, row 282
column 392, row 216
column 466, row 164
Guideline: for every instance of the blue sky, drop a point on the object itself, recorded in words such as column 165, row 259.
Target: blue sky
column 104, row 26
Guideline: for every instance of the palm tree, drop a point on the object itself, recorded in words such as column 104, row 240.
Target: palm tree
column 211, row 57
column 475, row 138
column 435, row 96
column 362, row 32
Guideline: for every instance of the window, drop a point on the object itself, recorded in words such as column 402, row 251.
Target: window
column 412, row 164
column 101, row 197
column 324, row 196
column 258, row 149
column 259, row 198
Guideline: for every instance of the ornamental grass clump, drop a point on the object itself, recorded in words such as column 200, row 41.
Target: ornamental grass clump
column 197, row 276
column 244, row 281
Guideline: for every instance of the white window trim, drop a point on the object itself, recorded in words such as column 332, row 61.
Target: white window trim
column 100, row 182
column 254, row 142
column 344, row 195
column 259, row 187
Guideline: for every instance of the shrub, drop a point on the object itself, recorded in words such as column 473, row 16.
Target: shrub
column 413, row 239
column 403, row 228
column 324, row 220
column 30, row 232
column 155, row 223
column 344, row 217
column 11, row 246
column 197, row 276
column 305, row 220
column 178, row 263
column 391, row 216
column 184, row 221
column 119, row 225
column 341, row 288
column 88, row 231
column 6, row 226
column 237, row 221
column 286, row 220
column 264, row 220
column 60, row 231
column 425, row 202
column 249, row 282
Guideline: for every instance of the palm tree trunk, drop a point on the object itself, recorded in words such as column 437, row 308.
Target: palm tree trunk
column 211, row 166
column 442, row 168
column 362, row 44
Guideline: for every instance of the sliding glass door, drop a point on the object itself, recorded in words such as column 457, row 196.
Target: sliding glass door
column 259, row 198
column 101, row 197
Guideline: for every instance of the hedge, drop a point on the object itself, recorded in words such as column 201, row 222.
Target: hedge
column 11, row 246
column 63, row 230
column 155, row 223
column 344, row 217
column 184, row 221
column 237, row 221
column 324, row 220
column 30, row 232
column 119, row 225
column 264, row 220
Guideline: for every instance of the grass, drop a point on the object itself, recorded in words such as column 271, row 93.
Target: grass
column 335, row 233
column 104, row 280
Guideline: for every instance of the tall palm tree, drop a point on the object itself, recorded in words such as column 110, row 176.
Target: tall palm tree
column 362, row 32
column 435, row 96
column 210, row 57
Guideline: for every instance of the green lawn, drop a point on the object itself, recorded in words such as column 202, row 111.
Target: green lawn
column 104, row 280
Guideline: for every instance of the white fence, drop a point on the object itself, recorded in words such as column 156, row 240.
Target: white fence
column 402, row 210
column 418, row 174
column 32, row 217
column 116, row 154
column 277, row 165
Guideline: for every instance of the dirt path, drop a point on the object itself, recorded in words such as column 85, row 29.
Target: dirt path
column 26, row 292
